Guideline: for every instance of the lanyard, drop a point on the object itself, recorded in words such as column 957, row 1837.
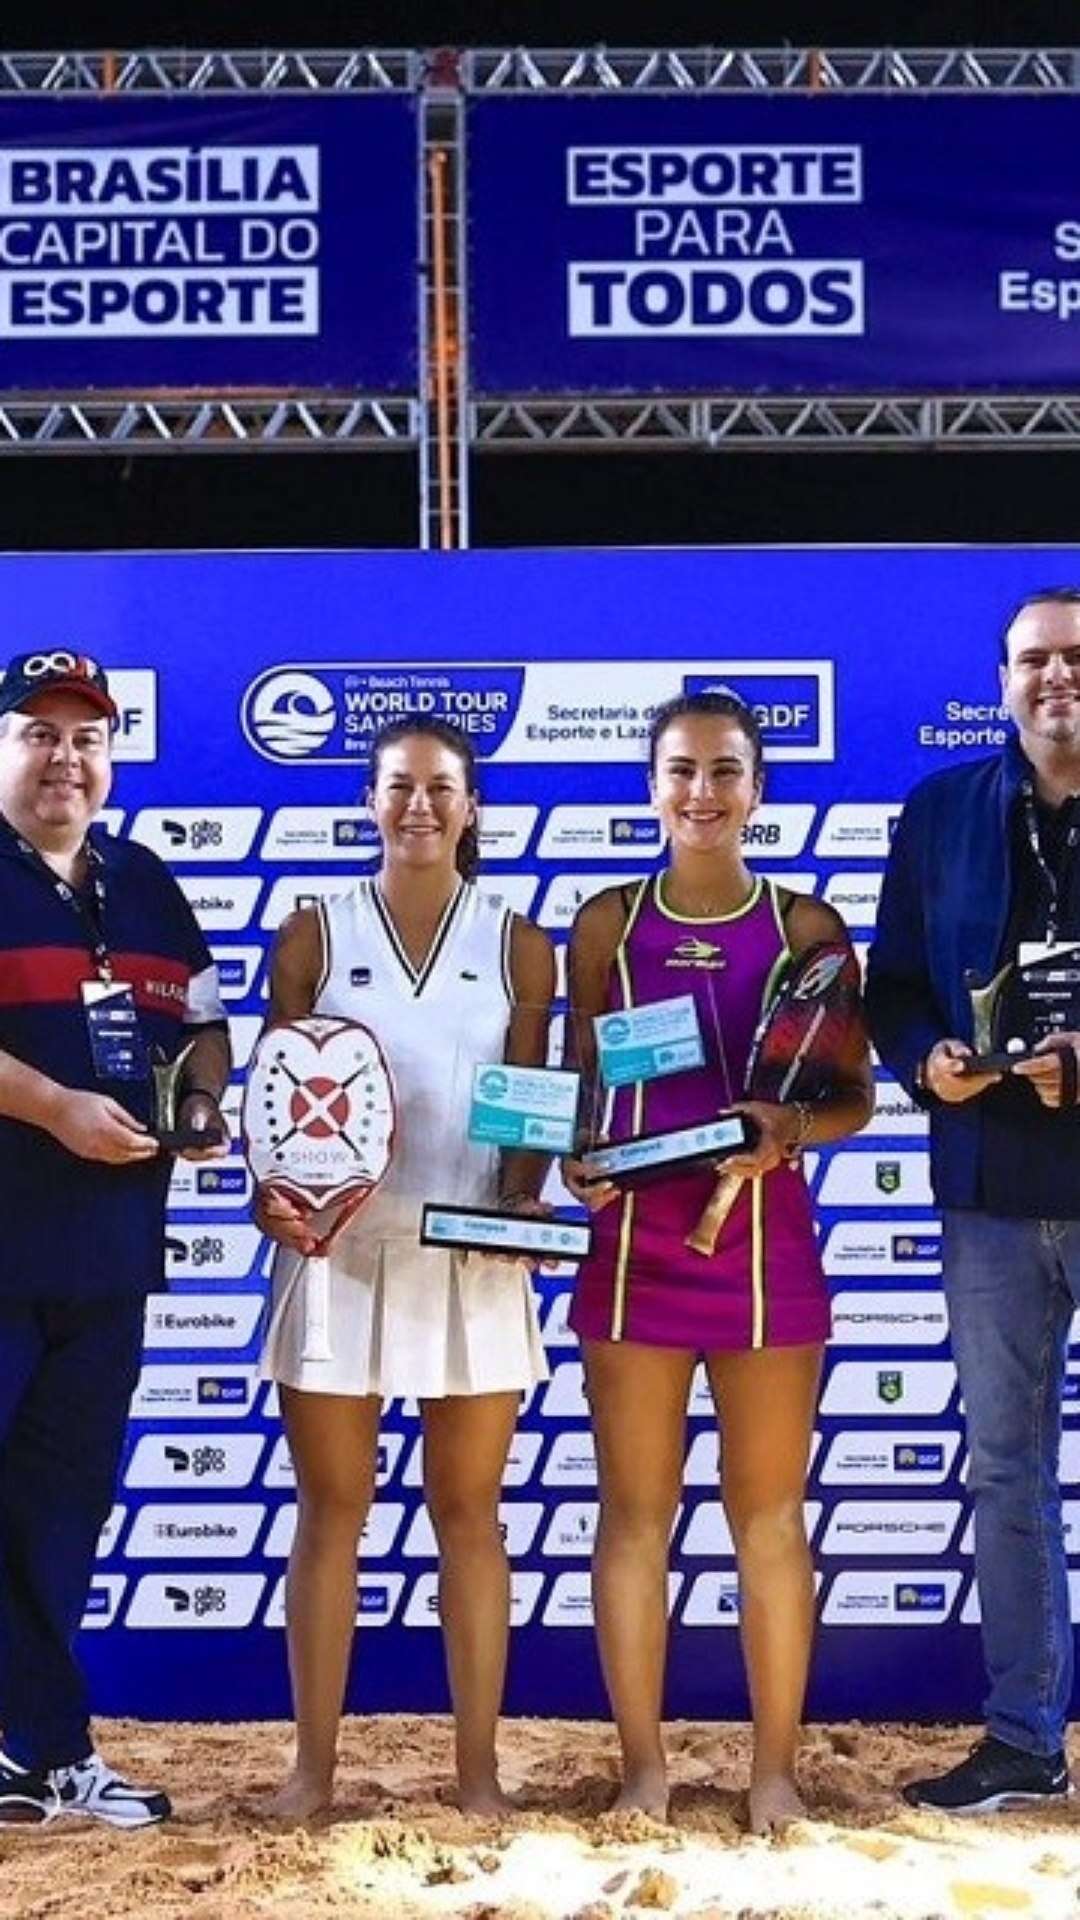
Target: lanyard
column 1051, row 880
column 91, row 917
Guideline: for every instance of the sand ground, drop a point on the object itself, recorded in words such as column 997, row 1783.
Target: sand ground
column 396, row 1847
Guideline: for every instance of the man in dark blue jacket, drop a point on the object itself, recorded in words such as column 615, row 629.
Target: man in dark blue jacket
column 101, row 966
column 984, row 871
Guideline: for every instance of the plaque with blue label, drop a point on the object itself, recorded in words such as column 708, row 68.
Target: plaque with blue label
column 650, row 1042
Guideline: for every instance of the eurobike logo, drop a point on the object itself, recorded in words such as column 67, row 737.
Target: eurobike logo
column 197, row 1532
column 331, row 711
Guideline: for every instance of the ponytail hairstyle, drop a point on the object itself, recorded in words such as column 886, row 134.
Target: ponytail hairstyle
column 410, row 726
column 720, row 701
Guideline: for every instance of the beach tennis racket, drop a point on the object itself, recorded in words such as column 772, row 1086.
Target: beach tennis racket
column 318, row 1123
column 802, row 1034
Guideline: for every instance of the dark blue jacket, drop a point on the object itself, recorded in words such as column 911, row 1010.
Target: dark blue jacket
column 944, row 910
column 76, row 1228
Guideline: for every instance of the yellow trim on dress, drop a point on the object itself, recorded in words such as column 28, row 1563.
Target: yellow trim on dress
column 757, row 1196
column 626, row 1225
column 757, row 1261
column 707, row 919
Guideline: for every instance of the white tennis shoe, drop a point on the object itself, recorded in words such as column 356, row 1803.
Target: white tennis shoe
column 91, row 1787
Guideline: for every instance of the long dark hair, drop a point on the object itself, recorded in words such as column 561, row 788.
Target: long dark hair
column 467, row 852
column 721, row 702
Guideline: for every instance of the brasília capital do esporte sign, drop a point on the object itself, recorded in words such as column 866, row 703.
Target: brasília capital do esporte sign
column 195, row 241
column 764, row 243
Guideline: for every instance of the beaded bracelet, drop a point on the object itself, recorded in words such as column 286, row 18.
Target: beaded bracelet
column 802, row 1132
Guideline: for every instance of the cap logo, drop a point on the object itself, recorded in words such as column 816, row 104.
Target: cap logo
column 37, row 664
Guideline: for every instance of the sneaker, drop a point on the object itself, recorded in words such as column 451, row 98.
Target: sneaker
column 26, row 1798
column 994, row 1775
column 93, row 1788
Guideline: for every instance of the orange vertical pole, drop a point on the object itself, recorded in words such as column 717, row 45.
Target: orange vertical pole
column 442, row 360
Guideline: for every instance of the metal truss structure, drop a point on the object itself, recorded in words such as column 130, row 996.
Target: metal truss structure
column 444, row 422
column 589, row 423
column 170, row 422
column 772, row 69
column 179, row 70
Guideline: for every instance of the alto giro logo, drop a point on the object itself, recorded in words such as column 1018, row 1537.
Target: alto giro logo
column 289, row 714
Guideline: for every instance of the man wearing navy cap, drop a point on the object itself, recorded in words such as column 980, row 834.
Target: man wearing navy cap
column 102, row 971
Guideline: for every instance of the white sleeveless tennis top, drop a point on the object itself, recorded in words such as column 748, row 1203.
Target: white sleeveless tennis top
column 406, row 1319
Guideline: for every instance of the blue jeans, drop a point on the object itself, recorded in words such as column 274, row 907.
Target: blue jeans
column 1012, row 1287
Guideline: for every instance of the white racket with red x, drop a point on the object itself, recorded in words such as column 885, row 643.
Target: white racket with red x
column 318, row 1122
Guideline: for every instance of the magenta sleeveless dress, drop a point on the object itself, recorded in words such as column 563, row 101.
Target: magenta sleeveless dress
column 764, row 1285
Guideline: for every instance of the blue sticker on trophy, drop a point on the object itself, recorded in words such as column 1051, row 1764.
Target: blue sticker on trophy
column 644, row 1043
column 524, row 1107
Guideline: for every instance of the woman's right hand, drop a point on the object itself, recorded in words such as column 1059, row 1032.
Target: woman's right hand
column 279, row 1217
column 593, row 1194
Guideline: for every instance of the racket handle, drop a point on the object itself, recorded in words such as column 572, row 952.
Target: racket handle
column 316, row 1285
column 704, row 1236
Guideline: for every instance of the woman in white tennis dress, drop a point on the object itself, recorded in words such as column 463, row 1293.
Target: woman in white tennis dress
column 447, row 978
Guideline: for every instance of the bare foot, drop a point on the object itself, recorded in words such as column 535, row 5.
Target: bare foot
column 485, row 1797
column 301, row 1798
column 774, row 1803
column 644, row 1792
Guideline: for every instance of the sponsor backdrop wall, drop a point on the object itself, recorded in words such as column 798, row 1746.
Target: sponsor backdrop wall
column 249, row 687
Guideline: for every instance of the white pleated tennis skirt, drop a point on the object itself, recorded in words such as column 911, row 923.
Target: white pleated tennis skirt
column 394, row 1318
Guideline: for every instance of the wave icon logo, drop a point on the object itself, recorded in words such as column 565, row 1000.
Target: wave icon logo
column 289, row 715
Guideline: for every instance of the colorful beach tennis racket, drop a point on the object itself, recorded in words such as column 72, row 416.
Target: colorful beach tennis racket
column 802, row 1035
column 318, row 1121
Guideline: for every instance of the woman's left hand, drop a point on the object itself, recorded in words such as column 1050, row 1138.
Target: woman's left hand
column 777, row 1127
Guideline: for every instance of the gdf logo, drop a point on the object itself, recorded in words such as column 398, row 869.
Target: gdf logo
column 289, row 715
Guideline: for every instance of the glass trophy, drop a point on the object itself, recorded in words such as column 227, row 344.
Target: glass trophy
column 1027, row 1000
column 660, row 1091
column 168, row 1093
column 500, row 1117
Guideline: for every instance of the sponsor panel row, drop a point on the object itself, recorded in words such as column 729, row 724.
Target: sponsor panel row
column 855, row 1597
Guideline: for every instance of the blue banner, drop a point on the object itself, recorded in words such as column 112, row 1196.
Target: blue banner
column 245, row 241
column 244, row 724
column 770, row 244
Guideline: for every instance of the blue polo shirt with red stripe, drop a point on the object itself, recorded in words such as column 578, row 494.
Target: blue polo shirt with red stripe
column 69, row 1227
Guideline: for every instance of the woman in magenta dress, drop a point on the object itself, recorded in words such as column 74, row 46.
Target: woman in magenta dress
column 647, row 1308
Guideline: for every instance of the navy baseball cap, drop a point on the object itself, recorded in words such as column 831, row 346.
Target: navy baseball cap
column 56, row 671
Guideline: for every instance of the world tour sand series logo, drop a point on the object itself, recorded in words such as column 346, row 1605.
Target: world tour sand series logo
column 330, row 712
